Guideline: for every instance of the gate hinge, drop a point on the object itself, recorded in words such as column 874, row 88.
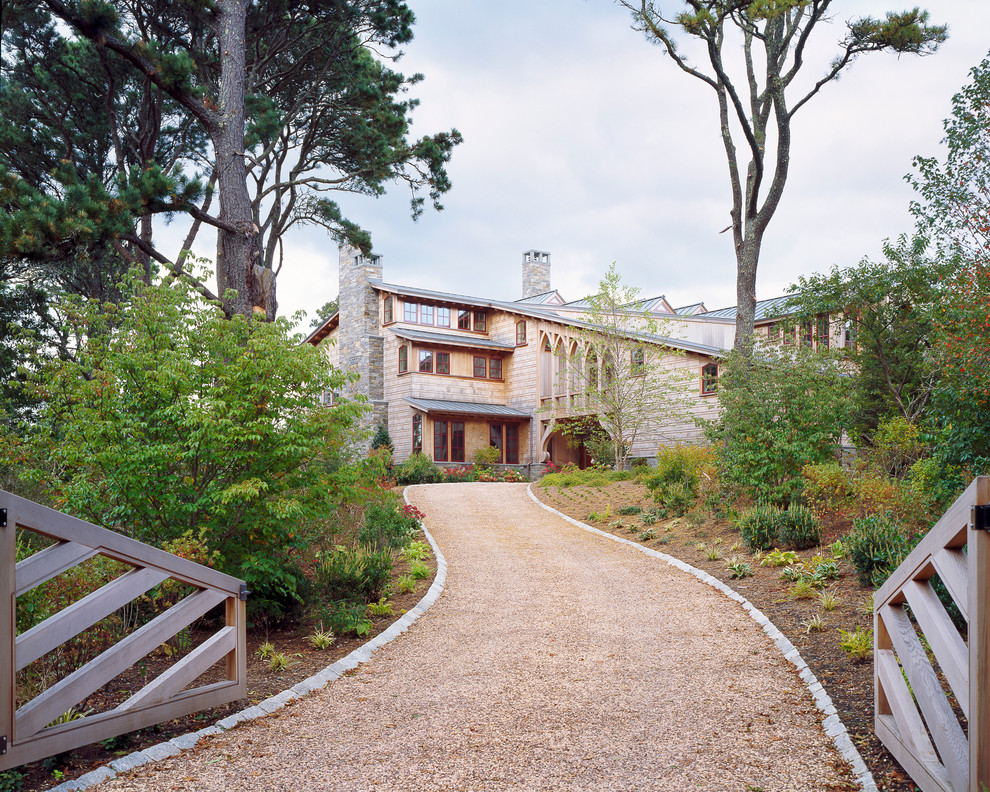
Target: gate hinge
column 3, row 518
column 979, row 518
column 3, row 743
column 244, row 592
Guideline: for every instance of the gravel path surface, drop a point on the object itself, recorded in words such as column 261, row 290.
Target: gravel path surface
column 554, row 660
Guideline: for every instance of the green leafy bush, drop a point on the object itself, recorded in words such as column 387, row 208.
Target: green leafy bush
column 354, row 574
column 418, row 469
column 798, row 528
column 782, row 409
column 759, row 527
column 677, row 498
column 826, row 486
column 344, row 618
column 11, row 781
column 171, row 415
column 387, row 526
column 487, row 457
column 876, row 546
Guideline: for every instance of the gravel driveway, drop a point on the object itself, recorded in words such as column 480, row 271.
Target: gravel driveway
column 554, row 660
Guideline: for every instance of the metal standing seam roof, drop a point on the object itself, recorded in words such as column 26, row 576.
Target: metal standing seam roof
column 765, row 309
column 466, row 408
column 450, row 339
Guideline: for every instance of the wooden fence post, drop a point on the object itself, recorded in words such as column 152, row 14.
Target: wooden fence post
column 8, row 544
column 979, row 643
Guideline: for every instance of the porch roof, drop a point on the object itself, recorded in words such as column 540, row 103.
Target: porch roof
column 468, row 408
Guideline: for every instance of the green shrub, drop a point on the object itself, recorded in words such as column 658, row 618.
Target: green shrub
column 487, row 457
column 11, row 781
column 876, row 546
column 937, row 483
column 759, row 527
column 382, row 439
column 677, row 497
column 353, row 574
column 418, row 469
column 826, row 486
column 387, row 526
column 348, row 617
column 897, row 445
column 798, row 528
column 627, row 511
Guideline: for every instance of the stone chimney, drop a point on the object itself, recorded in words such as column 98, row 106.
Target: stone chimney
column 535, row 273
column 360, row 343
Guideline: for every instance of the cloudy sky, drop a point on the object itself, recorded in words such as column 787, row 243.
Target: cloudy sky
column 582, row 140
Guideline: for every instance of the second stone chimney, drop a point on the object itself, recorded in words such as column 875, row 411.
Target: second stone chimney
column 535, row 273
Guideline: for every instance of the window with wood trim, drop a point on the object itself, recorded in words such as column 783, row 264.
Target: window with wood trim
column 637, row 361
column 417, row 434
column 849, row 339
column 403, row 359
column 495, row 368
column 456, row 441
column 807, row 334
column 822, row 331
column 443, row 317
column 426, row 361
column 521, row 332
column 426, row 314
column 480, row 367
column 773, row 332
column 388, row 309
column 443, row 362
column 788, row 335
column 505, row 437
column 410, row 313
column 592, row 371
column 480, row 322
column 440, row 441
column 463, row 320
column 709, row 379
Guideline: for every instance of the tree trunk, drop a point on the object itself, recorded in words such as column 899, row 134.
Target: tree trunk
column 238, row 265
column 747, row 258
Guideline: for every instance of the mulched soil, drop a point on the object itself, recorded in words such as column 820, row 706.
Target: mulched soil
column 848, row 682
column 262, row 684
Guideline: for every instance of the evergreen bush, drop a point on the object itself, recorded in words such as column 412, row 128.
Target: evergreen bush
column 876, row 546
column 418, row 469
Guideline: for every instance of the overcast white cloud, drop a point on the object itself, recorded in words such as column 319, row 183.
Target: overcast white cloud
column 580, row 139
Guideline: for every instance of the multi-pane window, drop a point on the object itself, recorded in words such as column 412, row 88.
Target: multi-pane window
column 806, row 334
column 822, row 331
column 850, row 339
column 480, row 322
column 417, row 434
column 709, row 378
column 637, row 363
column 443, row 362
column 788, row 335
column 389, row 306
column 505, row 437
column 592, row 371
column 440, row 441
column 521, row 332
column 773, row 332
column 480, row 367
column 403, row 359
column 463, row 320
column 410, row 314
column 456, row 441
column 426, row 361
column 426, row 314
column 443, row 317
column 495, row 368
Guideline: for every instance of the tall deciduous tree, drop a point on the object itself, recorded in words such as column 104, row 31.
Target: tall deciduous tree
column 629, row 385
column 758, row 101
column 289, row 101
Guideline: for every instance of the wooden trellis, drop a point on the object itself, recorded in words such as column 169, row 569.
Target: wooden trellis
column 920, row 657
column 24, row 731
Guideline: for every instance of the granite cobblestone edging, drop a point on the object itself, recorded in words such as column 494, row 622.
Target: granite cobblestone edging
column 362, row 654
column 831, row 723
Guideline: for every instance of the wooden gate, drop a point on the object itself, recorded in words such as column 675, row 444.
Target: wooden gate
column 932, row 685
column 27, row 732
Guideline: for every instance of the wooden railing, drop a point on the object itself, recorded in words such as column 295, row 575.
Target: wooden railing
column 27, row 732
column 932, row 682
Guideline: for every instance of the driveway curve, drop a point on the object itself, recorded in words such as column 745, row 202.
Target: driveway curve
column 554, row 660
